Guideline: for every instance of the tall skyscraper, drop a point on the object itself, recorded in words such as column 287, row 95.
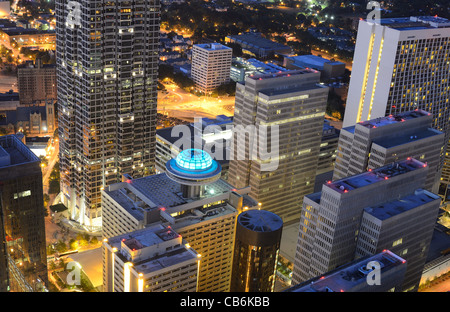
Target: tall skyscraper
column 283, row 115
column 23, row 256
column 378, row 142
column 189, row 197
column 107, row 67
column 211, row 65
column 154, row 259
column 402, row 64
column 256, row 247
column 396, row 213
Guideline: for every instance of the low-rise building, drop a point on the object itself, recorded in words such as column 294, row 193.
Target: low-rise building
column 253, row 43
column 190, row 198
column 154, row 259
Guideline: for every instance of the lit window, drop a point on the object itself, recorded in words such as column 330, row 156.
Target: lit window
column 22, row 194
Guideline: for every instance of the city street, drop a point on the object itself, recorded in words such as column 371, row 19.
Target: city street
column 51, row 229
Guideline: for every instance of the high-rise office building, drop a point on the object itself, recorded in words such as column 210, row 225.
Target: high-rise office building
column 107, row 67
column 23, row 257
column 211, row 65
column 283, row 115
column 360, row 276
column 378, row 142
column 327, row 155
column 189, row 197
column 256, row 247
column 154, row 259
column 402, row 64
column 336, row 226
column 36, row 82
column 328, row 148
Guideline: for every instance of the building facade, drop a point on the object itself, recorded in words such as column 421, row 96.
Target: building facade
column 211, row 64
column 23, row 256
column 255, row 257
column 402, row 64
column 107, row 67
column 282, row 114
column 378, row 142
column 154, row 259
column 336, row 226
column 195, row 203
column 36, row 82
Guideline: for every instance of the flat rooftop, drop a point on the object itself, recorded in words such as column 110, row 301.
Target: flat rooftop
column 347, row 277
column 393, row 208
column 404, row 139
column 415, row 22
column 313, row 60
column 212, row 46
column 393, row 119
column 279, row 74
column 221, row 121
column 256, row 41
column 19, row 153
column 159, row 191
column 256, row 65
column 148, row 237
column 373, row 176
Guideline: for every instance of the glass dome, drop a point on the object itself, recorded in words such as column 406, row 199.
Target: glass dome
column 194, row 159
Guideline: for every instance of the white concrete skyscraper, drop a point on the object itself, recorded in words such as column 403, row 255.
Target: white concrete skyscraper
column 107, row 66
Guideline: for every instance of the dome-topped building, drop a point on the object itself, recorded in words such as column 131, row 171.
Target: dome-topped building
column 193, row 169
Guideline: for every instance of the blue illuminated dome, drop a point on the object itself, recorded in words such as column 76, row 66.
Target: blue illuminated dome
column 194, row 159
column 193, row 167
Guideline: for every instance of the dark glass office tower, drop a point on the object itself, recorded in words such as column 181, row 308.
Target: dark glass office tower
column 23, row 258
column 257, row 243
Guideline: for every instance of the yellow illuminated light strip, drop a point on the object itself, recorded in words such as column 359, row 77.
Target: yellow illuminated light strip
column 114, row 249
column 366, row 73
column 279, row 122
column 141, row 283
column 376, row 78
column 126, row 276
